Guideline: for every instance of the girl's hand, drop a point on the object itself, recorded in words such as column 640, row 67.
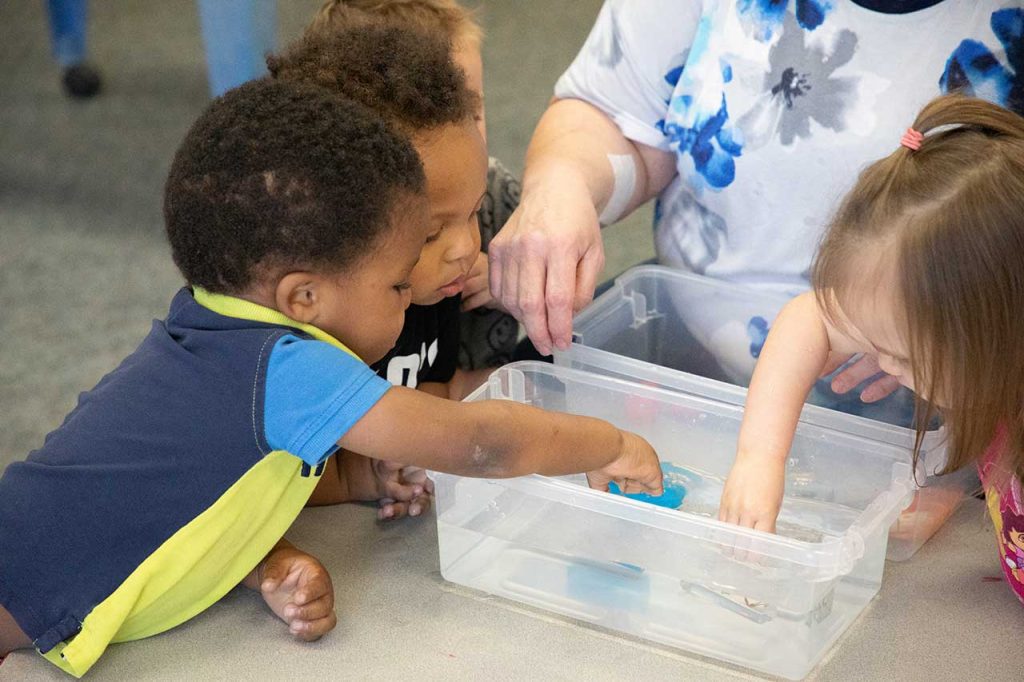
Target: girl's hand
column 635, row 470
column 753, row 492
column 298, row 589
column 477, row 291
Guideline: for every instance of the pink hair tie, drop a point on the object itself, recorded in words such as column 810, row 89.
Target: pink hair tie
column 912, row 139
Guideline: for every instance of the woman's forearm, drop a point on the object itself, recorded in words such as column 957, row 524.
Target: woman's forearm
column 575, row 140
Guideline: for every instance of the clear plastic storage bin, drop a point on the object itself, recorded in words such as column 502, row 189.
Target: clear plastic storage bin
column 774, row 603
column 697, row 335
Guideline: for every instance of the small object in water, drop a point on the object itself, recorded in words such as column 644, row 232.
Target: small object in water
column 673, row 482
column 612, row 584
column 754, row 611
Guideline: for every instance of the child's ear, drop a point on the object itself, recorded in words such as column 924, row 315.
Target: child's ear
column 298, row 296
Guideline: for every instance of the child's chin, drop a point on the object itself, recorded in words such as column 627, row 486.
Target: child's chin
column 378, row 354
column 429, row 299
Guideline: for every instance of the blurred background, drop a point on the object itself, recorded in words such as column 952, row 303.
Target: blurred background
column 84, row 266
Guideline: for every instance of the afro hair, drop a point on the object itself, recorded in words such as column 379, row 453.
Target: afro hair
column 280, row 175
column 405, row 75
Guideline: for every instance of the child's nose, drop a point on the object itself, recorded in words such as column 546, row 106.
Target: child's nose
column 466, row 243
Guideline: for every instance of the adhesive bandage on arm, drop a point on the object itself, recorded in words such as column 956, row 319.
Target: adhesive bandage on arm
column 623, row 186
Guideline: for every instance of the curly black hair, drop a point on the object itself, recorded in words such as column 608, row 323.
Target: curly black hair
column 404, row 74
column 283, row 175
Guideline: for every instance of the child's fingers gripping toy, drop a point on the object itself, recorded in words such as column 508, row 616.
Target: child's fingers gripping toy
column 677, row 481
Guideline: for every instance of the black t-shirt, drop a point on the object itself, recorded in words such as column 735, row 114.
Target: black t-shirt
column 428, row 347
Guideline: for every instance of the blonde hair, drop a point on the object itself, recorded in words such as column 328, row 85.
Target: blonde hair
column 457, row 23
column 952, row 218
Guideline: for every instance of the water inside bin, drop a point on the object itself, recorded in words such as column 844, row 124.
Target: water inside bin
column 561, row 573
column 775, row 603
column 699, row 493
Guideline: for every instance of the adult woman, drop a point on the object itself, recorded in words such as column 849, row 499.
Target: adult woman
column 747, row 119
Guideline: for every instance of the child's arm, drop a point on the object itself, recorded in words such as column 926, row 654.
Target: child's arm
column 351, row 477
column 297, row 588
column 793, row 357
column 498, row 438
column 399, row 490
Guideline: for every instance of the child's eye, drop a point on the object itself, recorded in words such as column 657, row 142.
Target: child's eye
column 402, row 286
column 434, row 237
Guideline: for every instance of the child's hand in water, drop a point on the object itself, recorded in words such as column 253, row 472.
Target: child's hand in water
column 635, row 470
column 298, row 589
column 753, row 492
column 477, row 291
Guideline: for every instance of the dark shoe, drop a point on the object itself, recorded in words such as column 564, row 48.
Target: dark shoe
column 81, row 81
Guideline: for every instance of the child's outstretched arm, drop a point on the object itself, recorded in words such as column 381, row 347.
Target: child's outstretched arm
column 793, row 357
column 500, row 439
column 398, row 489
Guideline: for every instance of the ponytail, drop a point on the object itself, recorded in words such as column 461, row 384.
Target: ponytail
column 955, row 114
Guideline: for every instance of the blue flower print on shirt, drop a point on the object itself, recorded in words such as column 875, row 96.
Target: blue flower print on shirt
column 974, row 70
column 766, row 16
column 757, row 331
column 672, row 77
column 697, row 124
column 709, row 142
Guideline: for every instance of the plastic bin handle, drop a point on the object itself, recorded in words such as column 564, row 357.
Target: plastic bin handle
column 891, row 503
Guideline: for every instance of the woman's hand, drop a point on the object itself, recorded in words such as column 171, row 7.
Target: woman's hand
column 861, row 370
column 545, row 261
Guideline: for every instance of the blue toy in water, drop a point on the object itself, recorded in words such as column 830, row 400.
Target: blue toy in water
column 674, row 480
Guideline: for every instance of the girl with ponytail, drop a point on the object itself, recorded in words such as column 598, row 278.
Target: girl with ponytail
column 923, row 267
